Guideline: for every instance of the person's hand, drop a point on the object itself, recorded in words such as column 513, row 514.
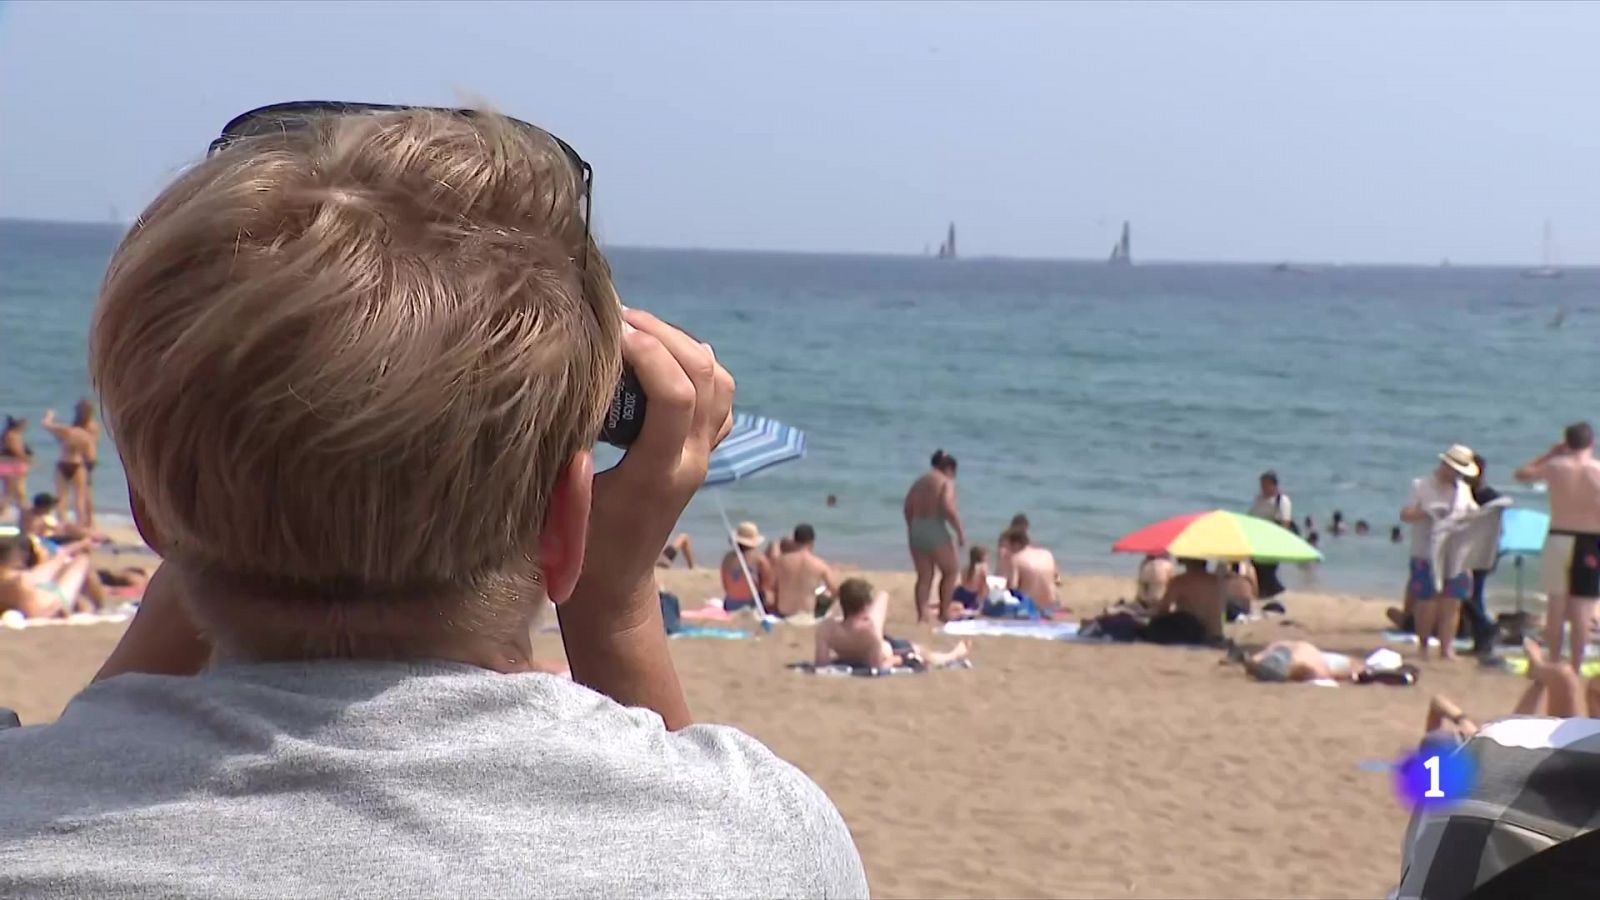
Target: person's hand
column 1558, row 449
column 49, row 418
column 638, row 502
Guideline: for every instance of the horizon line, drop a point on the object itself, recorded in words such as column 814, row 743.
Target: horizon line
column 1446, row 263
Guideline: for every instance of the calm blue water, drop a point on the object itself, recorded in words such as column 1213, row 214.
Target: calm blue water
column 1096, row 400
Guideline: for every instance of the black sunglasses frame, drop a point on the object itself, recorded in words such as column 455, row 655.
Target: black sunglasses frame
column 299, row 113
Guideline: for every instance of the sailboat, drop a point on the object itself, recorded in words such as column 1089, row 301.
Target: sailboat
column 1122, row 253
column 947, row 250
column 1549, row 269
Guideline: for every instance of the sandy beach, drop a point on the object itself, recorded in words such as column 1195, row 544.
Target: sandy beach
column 1051, row 768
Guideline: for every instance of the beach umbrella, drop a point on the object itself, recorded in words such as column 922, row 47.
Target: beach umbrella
column 755, row 444
column 1219, row 535
column 1522, row 533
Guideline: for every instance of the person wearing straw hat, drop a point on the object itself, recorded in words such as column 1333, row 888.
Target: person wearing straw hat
column 743, row 565
column 1437, row 500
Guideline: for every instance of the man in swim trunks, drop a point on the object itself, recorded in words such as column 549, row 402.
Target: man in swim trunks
column 1033, row 570
column 797, row 572
column 1570, row 563
column 1198, row 592
column 857, row 639
column 1438, row 498
column 930, row 514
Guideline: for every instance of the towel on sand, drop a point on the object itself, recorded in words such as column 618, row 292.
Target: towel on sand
column 868, row 671
column 1048, row 631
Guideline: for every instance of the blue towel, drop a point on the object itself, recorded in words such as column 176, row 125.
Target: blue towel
column 697, row 631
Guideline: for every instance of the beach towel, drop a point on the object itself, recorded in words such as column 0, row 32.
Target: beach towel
column 699, row 631
column 16, row 621
column 840, row 669
column 1406, row 637
column 672, row 620
column 1048, row 631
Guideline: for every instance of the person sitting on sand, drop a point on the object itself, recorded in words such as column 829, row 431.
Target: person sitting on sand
column 675, row 548
column 1194, row 592
column 355, row 364
column 1034, row 575
column 47, row 590
column 1238, row 589
column 857, row 639
column 797, row 573
column 967, row 601
column 737, row 592
column 1155, row 573
column 1002, row 551
column 79, row 453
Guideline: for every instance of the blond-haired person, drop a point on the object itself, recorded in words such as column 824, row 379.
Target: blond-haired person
column 354, row 367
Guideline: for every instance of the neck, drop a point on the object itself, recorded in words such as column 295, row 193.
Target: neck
column 490, row 631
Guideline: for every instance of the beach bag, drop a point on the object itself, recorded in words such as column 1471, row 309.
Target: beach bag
column 671, row 612
column 1174, row 628
column 1117, row 626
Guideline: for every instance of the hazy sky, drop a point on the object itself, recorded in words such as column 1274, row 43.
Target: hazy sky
column 1359, row 132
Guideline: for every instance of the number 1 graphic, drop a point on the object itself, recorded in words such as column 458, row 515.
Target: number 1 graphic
column 1432, row 765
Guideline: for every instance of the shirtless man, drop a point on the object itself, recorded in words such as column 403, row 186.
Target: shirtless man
column 797, row 572
column 1033, row 570
column 1570, row 563
column 1197, row 592
column 79, row 453
column 47, row 590
column 858, row 639
column 931, row 514
column 1154, row 575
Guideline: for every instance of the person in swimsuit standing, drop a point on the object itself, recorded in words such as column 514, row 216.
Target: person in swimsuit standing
column 16, row 457
column 931, row 514
column 79, row 448
column 1570, row 563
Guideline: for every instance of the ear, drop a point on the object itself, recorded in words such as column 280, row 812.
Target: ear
column 145, row 525
column 565, row 535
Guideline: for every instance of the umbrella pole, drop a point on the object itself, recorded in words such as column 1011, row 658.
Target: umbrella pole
column 1519, row 585
column 755, row 589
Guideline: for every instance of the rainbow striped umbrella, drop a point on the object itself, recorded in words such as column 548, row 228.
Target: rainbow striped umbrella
column 1219, row 535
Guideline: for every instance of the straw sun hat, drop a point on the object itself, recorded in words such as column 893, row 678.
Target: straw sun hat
column 1462, row 459
column 748, row 536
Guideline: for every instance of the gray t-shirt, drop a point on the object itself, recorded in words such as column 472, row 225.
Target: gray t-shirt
column 382, row 779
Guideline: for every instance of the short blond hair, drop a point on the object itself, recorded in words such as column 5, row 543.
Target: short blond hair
column 354, row 358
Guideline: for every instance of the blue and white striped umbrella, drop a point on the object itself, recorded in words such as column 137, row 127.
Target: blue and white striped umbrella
column 754, row 444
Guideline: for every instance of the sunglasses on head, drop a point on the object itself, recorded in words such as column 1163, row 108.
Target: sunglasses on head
column 625, row 417
column 276, row 118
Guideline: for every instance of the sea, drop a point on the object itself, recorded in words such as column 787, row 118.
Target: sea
column 1094, row 399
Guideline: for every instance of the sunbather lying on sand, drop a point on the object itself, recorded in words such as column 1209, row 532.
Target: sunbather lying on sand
column 1555, row 683
column 1304, row 661
column 46, row 590
column 858, row 638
